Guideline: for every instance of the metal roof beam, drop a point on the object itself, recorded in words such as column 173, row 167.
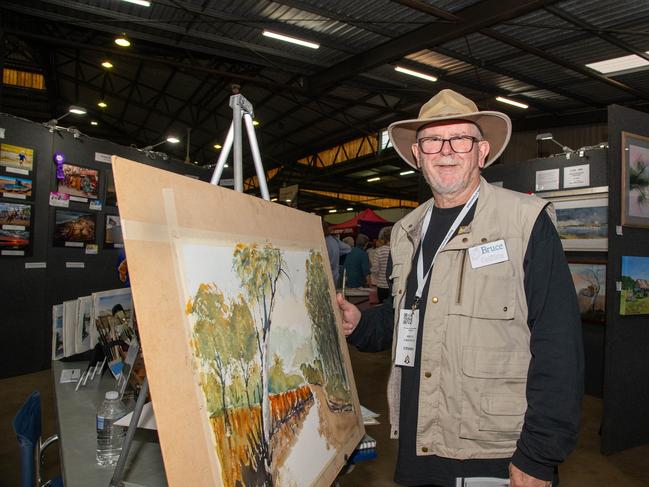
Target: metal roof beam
column 478, row 16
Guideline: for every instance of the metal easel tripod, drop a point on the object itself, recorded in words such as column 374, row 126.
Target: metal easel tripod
column 241, row 110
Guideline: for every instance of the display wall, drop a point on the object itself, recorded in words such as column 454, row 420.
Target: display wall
column 51, row 271
column 625, row 421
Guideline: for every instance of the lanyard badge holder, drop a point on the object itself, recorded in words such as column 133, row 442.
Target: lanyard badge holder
column 409, row 318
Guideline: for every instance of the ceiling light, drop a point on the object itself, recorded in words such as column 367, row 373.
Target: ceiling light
column 173, row 140
column 217, row 146
column 102, row 104
column 122, row 41
column 107, row 64
column 333, row 211
column 255, row 123
column 405, row 173
column 77, row 110
column 94, row 122
column 350, row 209
column 226, row 165
column 288, row 200
column 511, row 102
column 417, row 74
column 293, row 40
column 144, row 3
column 620, row 65
column 371, row 180
column 273, row 199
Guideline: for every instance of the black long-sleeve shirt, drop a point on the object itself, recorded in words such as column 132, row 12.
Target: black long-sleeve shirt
column 555, row 376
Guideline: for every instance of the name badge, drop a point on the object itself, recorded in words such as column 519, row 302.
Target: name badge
column 488, row 253
column 407, row 337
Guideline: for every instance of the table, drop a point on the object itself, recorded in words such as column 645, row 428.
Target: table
column 76, row 413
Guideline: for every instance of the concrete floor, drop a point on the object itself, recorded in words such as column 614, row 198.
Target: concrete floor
column 586, row 467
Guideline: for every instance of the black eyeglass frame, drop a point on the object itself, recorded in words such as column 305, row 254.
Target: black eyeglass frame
column 450, row 142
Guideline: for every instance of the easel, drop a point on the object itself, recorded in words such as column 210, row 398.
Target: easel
column 241, row 109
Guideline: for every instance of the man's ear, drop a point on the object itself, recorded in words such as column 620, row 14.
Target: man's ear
column 415, row 153
column 483, row 152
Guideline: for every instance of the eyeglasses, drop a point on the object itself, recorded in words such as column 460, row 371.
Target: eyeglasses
column 459, row 143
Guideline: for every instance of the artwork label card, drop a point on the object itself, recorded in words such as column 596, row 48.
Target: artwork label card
column 547, row 180
column 60, row 200
column 576, row 176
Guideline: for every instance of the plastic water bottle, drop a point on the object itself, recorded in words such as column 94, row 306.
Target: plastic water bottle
column 110, row 438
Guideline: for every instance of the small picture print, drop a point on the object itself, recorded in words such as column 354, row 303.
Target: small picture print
column 12, row 156
column 113, row 232
column 634, row 297
column 74, row 228
column 79, row 181
column 15, row 216
column 14, row 187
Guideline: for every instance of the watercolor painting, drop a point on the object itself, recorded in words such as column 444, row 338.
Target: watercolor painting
column 74, row 227
column 16, row 157
column 635, row 180
column 237, row 317
column 582, row 223
column 13, row 187
column 268, row 357
column 113, row 232
column 79, row 181
column 15, row 214
column 57, row 332
column 589, row 279
column 634, row 297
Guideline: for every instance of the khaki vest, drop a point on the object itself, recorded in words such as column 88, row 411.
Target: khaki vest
column 475, row 347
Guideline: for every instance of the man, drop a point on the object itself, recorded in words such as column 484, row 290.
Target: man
column 487, row 373
column 335, row 248
column 357, row 263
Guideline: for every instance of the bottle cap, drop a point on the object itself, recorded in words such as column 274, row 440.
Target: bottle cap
column 112, row 395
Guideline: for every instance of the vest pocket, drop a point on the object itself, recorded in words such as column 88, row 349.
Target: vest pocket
column 486, row 297
column 493, row 394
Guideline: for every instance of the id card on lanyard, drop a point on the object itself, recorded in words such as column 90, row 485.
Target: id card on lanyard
column 409, row 318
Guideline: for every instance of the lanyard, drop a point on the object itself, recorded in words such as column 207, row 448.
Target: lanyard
column 421, row 277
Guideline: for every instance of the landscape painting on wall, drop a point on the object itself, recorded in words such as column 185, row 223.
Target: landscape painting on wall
column 635, row 180
column 249, row 305
column 21, row 158
column 589, row 279
column 15, row 216
column 634, row 297
column 74, row 228
column 582, row 222
column 14, row 187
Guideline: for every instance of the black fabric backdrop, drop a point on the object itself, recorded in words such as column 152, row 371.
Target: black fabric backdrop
column 27, row 295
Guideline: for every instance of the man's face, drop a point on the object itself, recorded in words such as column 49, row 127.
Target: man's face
column 449, row 172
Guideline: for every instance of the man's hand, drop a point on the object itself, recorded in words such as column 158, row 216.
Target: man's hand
column 351, row 314
column 518, row 478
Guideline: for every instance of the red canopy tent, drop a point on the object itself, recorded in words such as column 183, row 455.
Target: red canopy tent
column 366, row 222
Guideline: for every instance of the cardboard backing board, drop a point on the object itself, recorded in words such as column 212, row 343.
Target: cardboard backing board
column 249, row 372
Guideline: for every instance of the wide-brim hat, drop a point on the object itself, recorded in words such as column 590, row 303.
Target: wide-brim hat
column 496, row 127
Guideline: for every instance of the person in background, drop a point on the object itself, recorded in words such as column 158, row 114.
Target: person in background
column 357, row 264
column 380, row 264
column 335, row 248
column 372, row 246
column 484, row 326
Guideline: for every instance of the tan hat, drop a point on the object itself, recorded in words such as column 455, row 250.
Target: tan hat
column 448, row 105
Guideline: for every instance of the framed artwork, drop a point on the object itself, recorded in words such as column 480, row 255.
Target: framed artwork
column 74, row 228
column 634, row 297
column 635, row 180
column 16, row 159
column 81, row 183
column 111, row 195
column 582, row 221
column 113, row 232
column 589, row 278
column 57, row 332
column 15, row 187
column 84, row 324
column 237, row 315
column 112, row 302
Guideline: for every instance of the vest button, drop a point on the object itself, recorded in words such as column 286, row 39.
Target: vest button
column 400, row 291
column 434, row 300
column 427, row 375
column 465, row 240
column 505, row 308
column 483, row 240
column 424, row 449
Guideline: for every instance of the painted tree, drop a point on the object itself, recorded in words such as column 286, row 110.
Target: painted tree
column 639, row 181
column 246, row 339
column 318, row 304
column 212, row 337
column 259, row 269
